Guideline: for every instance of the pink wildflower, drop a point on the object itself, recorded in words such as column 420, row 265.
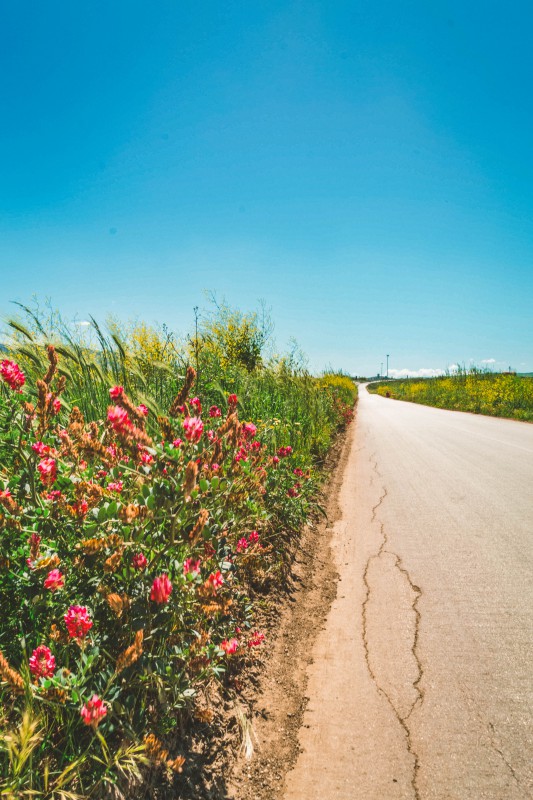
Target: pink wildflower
column 146, row 458
column 249, row 430
column 292, row 492
column 216, row 580
column 48, row 469
column 161, row 589
column 215, row 411
column 116, row 392
column 196, row 404
column 42, row 662
column 142, row 409
column 256, row 639
column 283, row 452
column 177, row 442
column 80, row 507
column 191, row 567
column 115, row 486
column 232, row 400
column 12, row 375
column 118, row 419
column 78, row 622
column 298, row 472
column 93, row 712
column 242, row 545
column 215, row 467
column 54, row 495
column 193, row 427
column 54, row 580
column 229, row 646
column 253, row 537
column 139, row 561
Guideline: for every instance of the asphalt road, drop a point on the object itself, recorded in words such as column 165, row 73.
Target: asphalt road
column 422, row 681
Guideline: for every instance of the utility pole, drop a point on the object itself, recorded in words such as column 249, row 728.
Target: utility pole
column 387, row 366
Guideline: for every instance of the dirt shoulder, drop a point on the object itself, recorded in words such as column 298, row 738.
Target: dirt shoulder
column 277, row 698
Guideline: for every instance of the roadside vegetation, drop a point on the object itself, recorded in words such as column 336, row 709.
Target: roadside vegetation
column 474, row 390
column 150, row 489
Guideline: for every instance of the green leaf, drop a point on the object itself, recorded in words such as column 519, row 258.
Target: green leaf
column 204, row 485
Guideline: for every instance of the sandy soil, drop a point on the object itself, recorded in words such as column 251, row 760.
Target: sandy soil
column 278, row 699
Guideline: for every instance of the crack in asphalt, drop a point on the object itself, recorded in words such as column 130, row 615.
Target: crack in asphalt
column 402, row 720
column 497, row 750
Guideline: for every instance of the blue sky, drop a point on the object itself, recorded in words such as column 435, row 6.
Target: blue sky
column 365, row 168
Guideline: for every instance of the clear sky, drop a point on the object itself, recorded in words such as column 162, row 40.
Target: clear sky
column 366, row 168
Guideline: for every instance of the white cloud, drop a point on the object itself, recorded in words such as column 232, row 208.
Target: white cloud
column 488, row 361
column 83, row 323
column 416, row 373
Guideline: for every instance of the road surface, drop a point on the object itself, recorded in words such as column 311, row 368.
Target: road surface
column 422, row 681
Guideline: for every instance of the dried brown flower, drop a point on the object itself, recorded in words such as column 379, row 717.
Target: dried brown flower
column 199, row 527
column 182, row 395
column 10, row 676
column 53, row 360
column 112, row 563
column 131, row 654
column 191, row 473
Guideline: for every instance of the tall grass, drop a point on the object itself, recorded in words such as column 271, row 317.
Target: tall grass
column 293, row 406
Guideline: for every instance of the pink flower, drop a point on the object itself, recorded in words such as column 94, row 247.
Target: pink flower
column 116, row 392
column 80, row 507
column 48, row 469
column 191, row 566
column 253, row 537
column 215, row 467
column 142, row 409
column 229, row 646
column 54, row 495
column 102, row 473
column 211, row 435
column 56, row 403
column 93, row 712
column 283, row 452
column 242, row 545
column 115, row 486
column 292, row 492
column 298, row 472
column 78, row 622
column 177, row 442
column 40, row 448
column 12, row 375
column 242, row 455
column 193, row 427
column 118, row 419
column 216, row 580
column 232, row 400
column 146, row 458
column 139, row 561
column 249, row 430
column 256, row 639
column 42, row 662
column 256, row 445
column 54, row 580
column 215, row 411
column 161, row 589
column 196, row 404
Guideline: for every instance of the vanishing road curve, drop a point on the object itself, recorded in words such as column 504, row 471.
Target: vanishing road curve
column 422, row 681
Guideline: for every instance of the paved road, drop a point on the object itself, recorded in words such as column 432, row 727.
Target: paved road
column 422, row 682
